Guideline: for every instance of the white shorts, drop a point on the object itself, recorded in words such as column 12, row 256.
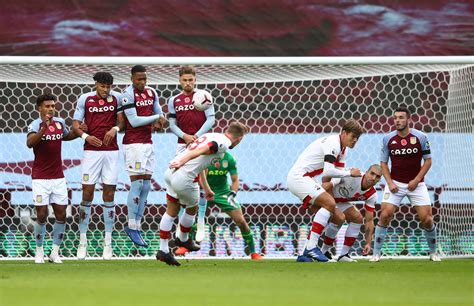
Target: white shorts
column 181, row 187
column 139, row 158
column 49, row 191
column 100, row 166
column 304, row 186
column 344, row 206
column 417, row 197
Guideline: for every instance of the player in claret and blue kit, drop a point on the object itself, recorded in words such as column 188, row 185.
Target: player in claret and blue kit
column 143, row 114
column 405, row 147
column 100, row 111
column 45, row 136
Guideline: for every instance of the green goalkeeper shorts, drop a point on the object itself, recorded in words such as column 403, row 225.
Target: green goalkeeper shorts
column 220, row 199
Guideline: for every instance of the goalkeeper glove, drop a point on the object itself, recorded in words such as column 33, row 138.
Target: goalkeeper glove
column 231, row 198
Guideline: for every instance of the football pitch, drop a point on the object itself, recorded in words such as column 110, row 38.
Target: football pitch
column 237, row 282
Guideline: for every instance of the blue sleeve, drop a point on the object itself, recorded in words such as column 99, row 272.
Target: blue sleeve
column 34, row 126
column 210, row 119
column 174, row 127
column 425, row 145
column 171, row 110
column 128, row 106
column 80, row 109
column 65, row 128
column 156, row 104
column 118, row 96
column 172, row 119
column 384, row 153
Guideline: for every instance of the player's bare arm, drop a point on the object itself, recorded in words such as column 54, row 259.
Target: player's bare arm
column 71, row 136
column 326, row 179
column 92, row 140
column 203, row 150
column 159, row 124
column 34, row 138
column 369, row 231
column 189, row 138
column 424, row 169
column 234, row 186
column 386, row 174
column 208, row 193
column 112, row 133
column 328, row 187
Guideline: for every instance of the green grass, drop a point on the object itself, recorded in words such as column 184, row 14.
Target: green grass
column 237, row 282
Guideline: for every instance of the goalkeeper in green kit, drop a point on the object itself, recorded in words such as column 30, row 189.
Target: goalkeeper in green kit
column 226, row 198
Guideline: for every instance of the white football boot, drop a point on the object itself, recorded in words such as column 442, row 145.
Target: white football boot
column 54, row 258
column 82, row 251
column 108, row 252
column 375, row 258
column 200, row 231
column 39, row 255
column 435, row 257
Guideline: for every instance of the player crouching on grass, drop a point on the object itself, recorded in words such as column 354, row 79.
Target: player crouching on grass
column 45, row 136
column 344, row 191
column 182, row 188
column 326, row 156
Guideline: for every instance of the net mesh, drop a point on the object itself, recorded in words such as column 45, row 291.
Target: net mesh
column 286, row 108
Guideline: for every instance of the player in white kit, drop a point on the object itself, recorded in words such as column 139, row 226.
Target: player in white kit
column 327, row 156
column 182, row 187
column 345, row 191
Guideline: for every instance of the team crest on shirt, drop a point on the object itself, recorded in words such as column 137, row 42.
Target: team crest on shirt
column 344, row 192
column 58, row 125
column 39, row 199
column 403, row 142
column 386, row 196
column 138, row 165
column 85, row 177
column 150, row 93
column 110, row 99
column 413, row 140
column 51, row 128
column 225, row 163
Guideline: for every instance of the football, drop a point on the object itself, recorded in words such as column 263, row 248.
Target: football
column 202, row 100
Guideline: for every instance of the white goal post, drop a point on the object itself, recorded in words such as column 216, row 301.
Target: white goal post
column 287, row 102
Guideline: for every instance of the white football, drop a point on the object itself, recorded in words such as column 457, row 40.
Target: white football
column 202, row 100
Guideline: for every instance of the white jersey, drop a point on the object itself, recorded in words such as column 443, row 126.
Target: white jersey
column 193, row 167
column 348, row 189
column 311, row 161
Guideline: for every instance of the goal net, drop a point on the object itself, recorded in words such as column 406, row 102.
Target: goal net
column 286, row 106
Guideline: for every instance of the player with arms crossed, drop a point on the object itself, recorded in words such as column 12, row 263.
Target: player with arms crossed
column 226, row 199
column 142, row 109
column 45, row 136
column 405, row 147
column 346, row 190
column 324, row 156
column 100, row 111
column 188, row 123
column 182, row 187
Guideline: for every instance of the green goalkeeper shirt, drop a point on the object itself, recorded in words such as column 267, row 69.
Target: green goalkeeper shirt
column 217, row 174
